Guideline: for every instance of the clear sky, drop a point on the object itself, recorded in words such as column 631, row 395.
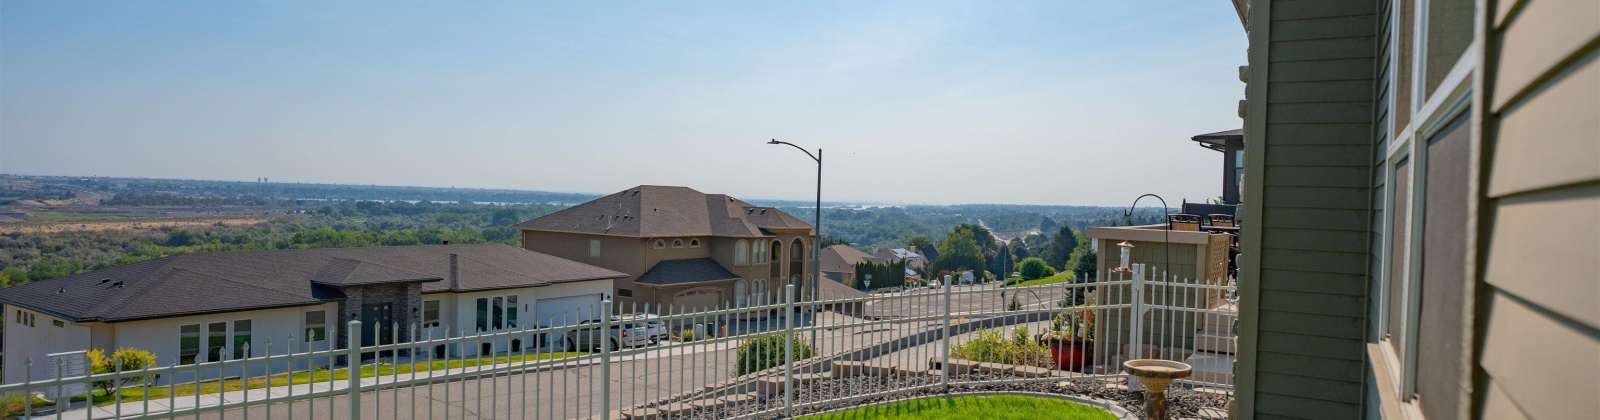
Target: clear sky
column 1055, row 102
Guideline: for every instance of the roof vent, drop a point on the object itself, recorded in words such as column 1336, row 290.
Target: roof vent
column 63, row 290
column 104, row 281
column 117, row 285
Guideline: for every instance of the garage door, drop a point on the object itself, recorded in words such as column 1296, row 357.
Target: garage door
column 697, row 299
column 572, row 309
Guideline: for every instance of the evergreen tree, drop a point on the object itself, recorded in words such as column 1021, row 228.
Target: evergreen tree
column 1061, row 247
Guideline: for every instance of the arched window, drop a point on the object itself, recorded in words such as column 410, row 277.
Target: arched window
column 757, row 252
column 677, row 243
column 759, row 295
column 739, row 290
column 741, row 252
column 660, row 244
column 798, row 250
column 694, row 243
column 777, row 251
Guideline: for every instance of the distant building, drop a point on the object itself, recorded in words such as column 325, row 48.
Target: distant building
column 839, row 262
column 196, row 308
column 681, row 247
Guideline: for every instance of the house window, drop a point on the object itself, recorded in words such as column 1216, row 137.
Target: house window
column 497, row 313
column 1442, row 280
column 627, row 293
column 1399, row 233
column 677, row 243
column 740, row 288
column 594, row 248
column 759, row 252
column 58, row 323
column 241, row 339
column 482, row 319
column 188, row 343
column 660, row 244
column 511, row 311
column 216, row 341
column 694, row 243
column 430, row 314
column 316, row 326
column 741, row 252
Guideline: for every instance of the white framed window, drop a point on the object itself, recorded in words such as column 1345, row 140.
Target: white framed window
column 594, row 248
column 660, row 244
column 740, row 288
column 216, row 341
column 677, row 243
column 242, row 332
column 188, row 344
column 741, row 252
column 316, row 326
column 496, row 312
column 694, row 243
column 430, row 313
column 58, row 323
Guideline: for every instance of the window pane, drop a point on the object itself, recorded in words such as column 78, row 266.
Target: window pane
column 216, row 340
column 498, row 312
column 1444, row 277
column 594, row 248
column 316, row 325
column 430, row 313
column 188, row 343
column 1449, row 34
column 241, row 338
column 1403, row 87
column 483, row 314
column 1398, row 252
column 511, row 311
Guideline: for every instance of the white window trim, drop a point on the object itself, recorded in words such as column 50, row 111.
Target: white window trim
column 677, row 243
column 694, row 243
column 305, row 327
column 660, row 244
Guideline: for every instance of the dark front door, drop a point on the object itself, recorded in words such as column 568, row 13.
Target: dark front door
column 377, row 324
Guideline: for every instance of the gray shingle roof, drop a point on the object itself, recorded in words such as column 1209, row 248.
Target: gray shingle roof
column 841, row 258
column 189, row 284
column 694, row 270
column 659, row 211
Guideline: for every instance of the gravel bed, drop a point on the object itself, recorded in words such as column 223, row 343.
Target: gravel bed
column 1181, row 402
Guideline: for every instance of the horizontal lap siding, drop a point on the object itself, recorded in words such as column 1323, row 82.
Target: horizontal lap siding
column 1540, row 325
column 1315, row 209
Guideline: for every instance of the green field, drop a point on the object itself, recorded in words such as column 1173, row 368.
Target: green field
column 1058, row 278
column 1001, row 407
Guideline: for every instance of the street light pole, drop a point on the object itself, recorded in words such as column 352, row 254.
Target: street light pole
column 816, row 242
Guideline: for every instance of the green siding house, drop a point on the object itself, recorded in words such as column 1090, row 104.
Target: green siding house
column 1421, row 210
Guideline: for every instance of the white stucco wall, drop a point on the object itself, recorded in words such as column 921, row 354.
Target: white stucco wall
column 269, row 327
column 462, row 310
column 23, row 343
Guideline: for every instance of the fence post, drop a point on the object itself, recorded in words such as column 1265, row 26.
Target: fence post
column 944, row 363
column 605, row 358
column 353, row 367
column 1136, row 333
column 788, row 350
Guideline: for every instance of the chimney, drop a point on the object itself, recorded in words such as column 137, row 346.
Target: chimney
column 455, row 270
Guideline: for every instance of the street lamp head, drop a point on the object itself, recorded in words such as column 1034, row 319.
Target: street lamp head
column 773, row 141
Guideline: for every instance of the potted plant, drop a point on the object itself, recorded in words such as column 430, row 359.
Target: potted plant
column 1071, row 339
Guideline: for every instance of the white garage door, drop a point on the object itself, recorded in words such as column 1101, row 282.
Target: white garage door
column 572, row 309
column 697, row 299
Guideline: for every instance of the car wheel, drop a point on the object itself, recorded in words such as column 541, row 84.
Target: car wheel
column 571, row 346
column 614, row 346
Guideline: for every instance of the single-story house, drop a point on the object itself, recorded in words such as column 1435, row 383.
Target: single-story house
column 839, row 262
column 195, row 308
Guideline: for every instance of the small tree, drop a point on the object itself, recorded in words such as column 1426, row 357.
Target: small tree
column 1015, row 304
column 1033, row 268
column 765, row 352
column 122, row 360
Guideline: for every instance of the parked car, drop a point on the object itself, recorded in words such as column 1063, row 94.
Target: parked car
column 933, row 284
column 654, row 328
column 623, row 334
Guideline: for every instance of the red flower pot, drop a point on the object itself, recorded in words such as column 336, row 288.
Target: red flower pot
column 1071, row 355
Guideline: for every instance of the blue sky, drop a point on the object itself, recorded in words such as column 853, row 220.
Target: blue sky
column 1058, row 102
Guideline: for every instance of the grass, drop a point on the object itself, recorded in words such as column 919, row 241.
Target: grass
column 134, row 394
column 1000, row 407
column 1058, row 278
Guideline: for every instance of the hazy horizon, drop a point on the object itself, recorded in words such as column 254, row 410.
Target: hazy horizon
column 1081, row 103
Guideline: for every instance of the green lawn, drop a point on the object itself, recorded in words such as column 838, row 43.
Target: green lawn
column 1058, row 278
column 1001, row 407
column 131, row 394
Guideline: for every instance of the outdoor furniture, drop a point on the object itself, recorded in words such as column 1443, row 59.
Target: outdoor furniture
column 1183, row 222
column 1221, row 220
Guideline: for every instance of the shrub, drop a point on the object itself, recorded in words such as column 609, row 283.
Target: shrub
column 766, row 351
column 1034, row 268
column 990, row 345
column 122, row 360
column 686, row 336
column 1015, row 305
column 12, row 406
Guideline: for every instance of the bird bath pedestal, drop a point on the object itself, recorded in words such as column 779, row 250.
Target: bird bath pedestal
column 1155, row 375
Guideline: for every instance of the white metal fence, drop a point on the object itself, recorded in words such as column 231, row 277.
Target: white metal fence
column 845, row 351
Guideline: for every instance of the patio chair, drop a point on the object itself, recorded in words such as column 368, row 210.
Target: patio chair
column 1183, row 222
column 1221, row 220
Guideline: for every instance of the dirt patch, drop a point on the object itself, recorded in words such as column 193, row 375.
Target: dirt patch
column 96, row 226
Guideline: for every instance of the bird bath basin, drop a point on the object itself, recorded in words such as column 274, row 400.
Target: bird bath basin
column 1155, row 375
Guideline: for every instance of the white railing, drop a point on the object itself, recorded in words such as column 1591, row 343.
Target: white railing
column 868, row 349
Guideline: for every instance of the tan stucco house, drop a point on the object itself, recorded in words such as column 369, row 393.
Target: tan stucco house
column 681, row 248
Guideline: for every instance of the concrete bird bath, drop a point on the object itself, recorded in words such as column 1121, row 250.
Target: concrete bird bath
column 1155, row 375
